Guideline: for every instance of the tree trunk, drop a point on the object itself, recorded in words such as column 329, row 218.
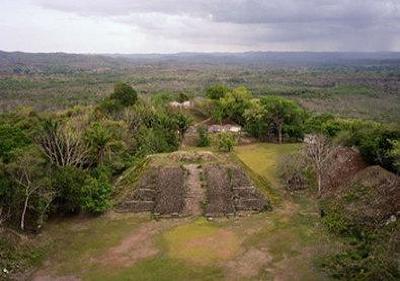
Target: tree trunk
column 319, row 179
column 24, row 212
column 280, row 134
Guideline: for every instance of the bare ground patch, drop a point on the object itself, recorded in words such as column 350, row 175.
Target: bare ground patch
column 202, row 244
column 136, row 246
column 247, row 265
column 42, row 276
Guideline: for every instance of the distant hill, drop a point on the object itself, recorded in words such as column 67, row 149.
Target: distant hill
column 19, row 62
column 273, row 58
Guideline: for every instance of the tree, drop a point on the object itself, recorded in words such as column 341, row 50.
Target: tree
column 182, row 123
column 99, row 140
column 234, row 104
column 226, row 142
column 395, row 154
column 280, row 112
column 255, row 119
column 11, row 137
column 96, row 191
column 319, row 151
column 216, row 92
column 217, row 112
column 63, row 144
column 204, row 139
column 124, row 94
column 28, row 172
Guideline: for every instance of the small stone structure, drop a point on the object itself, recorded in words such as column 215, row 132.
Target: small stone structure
column 185, row 104
column 230, row 192
column 224, row 128
column 160, row 190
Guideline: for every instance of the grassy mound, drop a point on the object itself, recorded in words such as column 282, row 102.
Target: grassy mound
column 365, row 213
column 160, row 186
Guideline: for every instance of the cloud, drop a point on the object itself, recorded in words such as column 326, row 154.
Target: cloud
column 234, row 25
column 239, row 11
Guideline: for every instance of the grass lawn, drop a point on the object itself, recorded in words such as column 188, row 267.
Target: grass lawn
column 263, row 158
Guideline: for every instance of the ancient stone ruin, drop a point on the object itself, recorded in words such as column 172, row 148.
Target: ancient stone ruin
column 191, row 188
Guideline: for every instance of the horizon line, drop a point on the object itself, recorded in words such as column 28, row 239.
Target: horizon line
column 206, row 53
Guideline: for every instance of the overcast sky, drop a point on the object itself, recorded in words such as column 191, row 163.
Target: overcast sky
column 169, row 26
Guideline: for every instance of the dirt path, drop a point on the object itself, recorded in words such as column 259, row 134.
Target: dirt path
column 196, row 193
column 136, row 246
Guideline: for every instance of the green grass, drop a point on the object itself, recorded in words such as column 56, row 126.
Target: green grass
column 263, row 158
column 292, row 232
column 201, row 242
column 73, row 243
column 160, row 268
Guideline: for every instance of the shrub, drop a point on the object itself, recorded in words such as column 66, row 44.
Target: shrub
column 162, row 98
column 234, row 104
column 216, row 92
column 295, row 172
column 11, row 138
column 124, row 94
column 335, row 221
column 78, row 190
column 204, row 139
column 226, row 142
column 182, row 97
column 370, row 257
column 16, row 255
column 96, row 191
column 156, row 140
column 68, row 182
column 110, row 106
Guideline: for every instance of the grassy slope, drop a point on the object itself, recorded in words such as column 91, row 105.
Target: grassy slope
column 293, row 235
column 263, row 158
column 288, row 239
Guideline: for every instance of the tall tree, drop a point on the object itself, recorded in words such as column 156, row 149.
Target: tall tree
column 28, row 172
column 280, row 112
column 319, row 151
column 234, row 104
column 63, row 144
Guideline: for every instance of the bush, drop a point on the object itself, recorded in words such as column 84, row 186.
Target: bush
column 370, row 257
column 204, row 139
column 233, row 105
column 226, row 142
column 182, row 97
column 11, row 138
column 156, row 140
column 16, row 255
column 335, row 221
column 68, row 182
column 109, row 106
column 124, row 94
column 375, row 144
column 216, row 92
column 96, row 191
column 78, row 190
column 295, row 172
